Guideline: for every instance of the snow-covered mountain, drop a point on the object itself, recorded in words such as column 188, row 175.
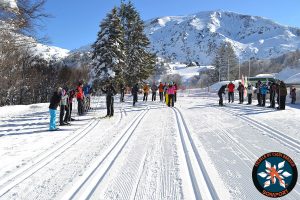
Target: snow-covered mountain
column 196, row 37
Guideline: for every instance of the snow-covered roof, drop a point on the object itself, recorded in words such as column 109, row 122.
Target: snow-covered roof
column 265, row 76
column 293, row 80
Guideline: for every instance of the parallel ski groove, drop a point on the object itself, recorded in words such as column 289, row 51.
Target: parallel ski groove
column 96, row 173
column 188, row 154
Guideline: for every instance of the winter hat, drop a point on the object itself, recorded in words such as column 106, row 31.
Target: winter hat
column 59, row 90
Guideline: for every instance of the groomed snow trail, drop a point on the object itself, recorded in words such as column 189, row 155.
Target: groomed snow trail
column 196, row 150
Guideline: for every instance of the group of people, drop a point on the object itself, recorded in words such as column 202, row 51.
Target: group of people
column 63, row 97
column 277, row 90
column 167, row 92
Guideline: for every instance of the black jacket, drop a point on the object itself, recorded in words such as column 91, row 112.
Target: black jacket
column 135, row 90
column 222, row 89
column 54, row 101
column 109, row 91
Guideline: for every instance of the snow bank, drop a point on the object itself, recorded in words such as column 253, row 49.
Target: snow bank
column 293, row 80
column 286, row 73
column 10, row 111
column 185, row 71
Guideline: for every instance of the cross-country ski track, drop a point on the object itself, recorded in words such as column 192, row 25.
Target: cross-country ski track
column 196, row 150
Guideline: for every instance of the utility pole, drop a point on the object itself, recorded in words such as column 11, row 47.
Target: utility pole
column 228, row 69
column 249, row 66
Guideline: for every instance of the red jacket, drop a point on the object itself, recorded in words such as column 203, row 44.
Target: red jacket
column 79, row 93
column 231, row 87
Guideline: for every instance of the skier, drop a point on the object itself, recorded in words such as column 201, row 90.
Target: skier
column 80, row 98
column 122, row 92
column 71, row 95
column 282, row 91
column 161, row 91
column 293, row 95
column 63, row 107
column 175, row 95
column 170, row 93
column 54, row 103
column 165, row 92
column 87, row 94
column 249, row 93
column 146, row 92
column 272, row 89
column 241, row 89
column 230, row 87
column 134, row 92
column 263, row 91
column 220, row 94
column 154, row 89
column 258, row 92
column 110, row 91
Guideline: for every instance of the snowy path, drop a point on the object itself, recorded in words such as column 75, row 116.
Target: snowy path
column 194, row 151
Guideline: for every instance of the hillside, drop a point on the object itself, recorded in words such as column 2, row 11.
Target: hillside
column 196, row 37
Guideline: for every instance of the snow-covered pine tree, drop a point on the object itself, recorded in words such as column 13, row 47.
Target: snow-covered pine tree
column 225, row 56
column 140, row 62
column 108, row 50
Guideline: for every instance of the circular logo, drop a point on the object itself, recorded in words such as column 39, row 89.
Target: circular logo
column 274, row 174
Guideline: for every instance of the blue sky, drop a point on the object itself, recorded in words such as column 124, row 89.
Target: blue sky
column 75, row 23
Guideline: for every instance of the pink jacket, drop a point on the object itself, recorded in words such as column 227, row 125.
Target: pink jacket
column 171, row 90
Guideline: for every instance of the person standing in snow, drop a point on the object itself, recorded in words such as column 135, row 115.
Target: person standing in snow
column 110, row 91
column 80, row 98
column 161, row 91
column 272, row 89
column 63, row 107
column 146, row 92
column 220, row 94
column 54, row 103
column 230, row 87
column 293, row 95
column 122, row 92
column 241, row 89
column 154, row 89
column 263, row 91
column 175, row 95
column 165, row 91
column 134, row 92
column 249, row 93
column 87, row 94
column 71, row 95
column 170, row 93
column 258, row 92
column 282, row 92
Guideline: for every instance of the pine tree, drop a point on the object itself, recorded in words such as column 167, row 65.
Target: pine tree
column 108, row 59
column 225, row 58
column 140, row 62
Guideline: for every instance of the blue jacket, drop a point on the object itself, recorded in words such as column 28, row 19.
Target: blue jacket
column 264, row 89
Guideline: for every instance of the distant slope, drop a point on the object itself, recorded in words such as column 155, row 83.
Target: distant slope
column 196, row 37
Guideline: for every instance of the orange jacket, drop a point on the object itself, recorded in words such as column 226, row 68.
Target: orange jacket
column 146, row 89
column 161, row 87
column 79, row 93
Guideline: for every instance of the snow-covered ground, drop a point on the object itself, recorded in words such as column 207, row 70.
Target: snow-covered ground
column 185, row 71
column 196, row 150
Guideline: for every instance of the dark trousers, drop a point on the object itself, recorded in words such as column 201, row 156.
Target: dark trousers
column 249, row 98
column 282, row 100
column 122, row 96
column 171, row 98
column 80, row 106
column 161, row 96
column 135, row 99
column 272, row 100
column 110, row 106
column 241, row 97
column 263, row 99
column 259, row 99
column 293, row 100
column 68, row 113
column 61, row 114
column 175, row 96
column 153, row 96
column 220, row 100
column 145, row 96
column 230, row 96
